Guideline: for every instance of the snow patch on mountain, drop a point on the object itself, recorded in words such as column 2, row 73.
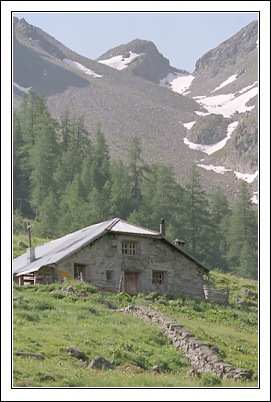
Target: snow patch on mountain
column 228, row 81
column 216, row 169
column 254, row 198
column 189, row 125
column 246, row 176
column 249, row 87
column 120, row 62
column 228, row 104
column 224, row 104
column 82, row 68
column 202, row 113
column 210, row 149
column 26, row 90
column 177, row 82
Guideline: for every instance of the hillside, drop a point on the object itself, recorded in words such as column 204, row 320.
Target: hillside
column 141, row 356
column 136, row 100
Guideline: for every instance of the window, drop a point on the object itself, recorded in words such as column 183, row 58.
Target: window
column 128, row 248
column 158, row 278
column 79, row 271
column 109, row 275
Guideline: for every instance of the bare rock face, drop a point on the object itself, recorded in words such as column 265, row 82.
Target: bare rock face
column 230, row 51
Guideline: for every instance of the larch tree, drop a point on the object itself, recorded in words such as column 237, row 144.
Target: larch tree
column 243, row 227
column 198, row 226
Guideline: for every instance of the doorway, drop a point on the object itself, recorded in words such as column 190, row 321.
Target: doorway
column 131, row 283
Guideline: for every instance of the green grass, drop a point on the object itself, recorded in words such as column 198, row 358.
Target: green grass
column 47, row 323
column 35, row 241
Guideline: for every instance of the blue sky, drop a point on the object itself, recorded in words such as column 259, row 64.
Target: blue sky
column 182, row 37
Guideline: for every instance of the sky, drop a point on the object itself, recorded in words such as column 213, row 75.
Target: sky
column 182, row 37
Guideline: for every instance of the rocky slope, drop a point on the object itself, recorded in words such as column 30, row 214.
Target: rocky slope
column 132, row 90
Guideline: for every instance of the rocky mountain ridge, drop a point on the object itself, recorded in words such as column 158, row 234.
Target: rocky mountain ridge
column 132, row 90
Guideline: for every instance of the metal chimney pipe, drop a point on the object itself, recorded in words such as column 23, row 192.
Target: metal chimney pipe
column 162, row 227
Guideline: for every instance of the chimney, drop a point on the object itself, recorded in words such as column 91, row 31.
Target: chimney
column 30, row 254
column 162, row 227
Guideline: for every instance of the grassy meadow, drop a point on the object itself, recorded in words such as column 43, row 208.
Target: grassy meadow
column 46, row 322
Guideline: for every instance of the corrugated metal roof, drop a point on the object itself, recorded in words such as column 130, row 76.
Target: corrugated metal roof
column 56, row 250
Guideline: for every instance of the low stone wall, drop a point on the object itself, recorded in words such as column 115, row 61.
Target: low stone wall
column 202, row 357
column 216, row 295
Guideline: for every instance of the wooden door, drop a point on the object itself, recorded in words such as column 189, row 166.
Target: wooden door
column 131, row 283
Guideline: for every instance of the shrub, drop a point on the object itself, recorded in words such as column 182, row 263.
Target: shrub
column 80, row 287
column 153, row 296
column 124, row 299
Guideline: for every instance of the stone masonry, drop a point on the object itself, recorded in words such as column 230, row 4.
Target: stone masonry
column 181, row 274
column 202, row 357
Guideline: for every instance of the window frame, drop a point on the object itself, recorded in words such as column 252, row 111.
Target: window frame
column 158, row 278
column 129, row 248
column 77, row 269
column 109, row 274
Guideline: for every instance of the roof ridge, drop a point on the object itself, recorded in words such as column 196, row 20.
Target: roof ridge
column 132, row 224
column 113, row 221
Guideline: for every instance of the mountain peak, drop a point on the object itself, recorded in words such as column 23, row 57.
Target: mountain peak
column 141, row 57
column 135, row 46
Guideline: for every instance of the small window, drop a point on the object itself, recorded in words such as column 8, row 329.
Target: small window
column 128, row 248
column 158, row 278
column 79, row 271
column 109, row 275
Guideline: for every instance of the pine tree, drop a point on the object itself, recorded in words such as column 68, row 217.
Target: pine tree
column 75, row 147
column 86, row 175
column 97, row 206
column 44, row 156
column 198, row 227
column 248, row 266
column 73, row 211
column 120, row 188
column 21, row 168
column 48, row 214
column 65, row 129
column 164, row 198
column 32, row 108
column 25, row 131
column 219, row 213
column 136, row 168
column 100, row 161
column 243, row 228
